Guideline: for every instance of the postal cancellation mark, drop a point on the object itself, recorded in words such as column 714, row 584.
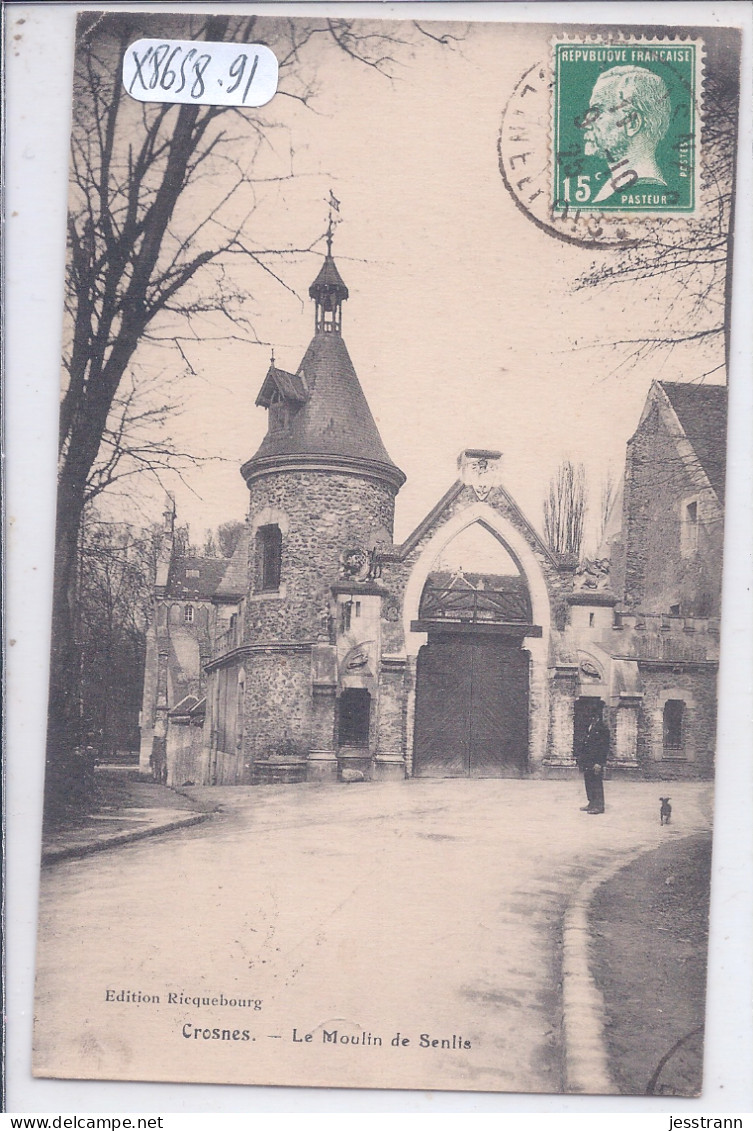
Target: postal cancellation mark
column 601, row 141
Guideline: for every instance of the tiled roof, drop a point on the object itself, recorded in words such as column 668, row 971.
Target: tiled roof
column 190, row 705
column 445, row 579
column 194, row 578
column 335, row 420
column 702, row 412
column 289, row 384
column 328, row 279
column 234, row 581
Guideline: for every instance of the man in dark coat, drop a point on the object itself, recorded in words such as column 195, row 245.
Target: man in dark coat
column 592, row 761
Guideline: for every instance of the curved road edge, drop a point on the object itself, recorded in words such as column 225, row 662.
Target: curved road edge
column 585, row 1046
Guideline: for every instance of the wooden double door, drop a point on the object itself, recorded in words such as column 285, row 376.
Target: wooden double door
column 471, row 707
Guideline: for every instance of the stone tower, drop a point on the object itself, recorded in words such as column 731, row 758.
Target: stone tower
column 321, row 496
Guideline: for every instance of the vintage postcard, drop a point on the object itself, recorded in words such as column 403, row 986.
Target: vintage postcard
column 389, row 540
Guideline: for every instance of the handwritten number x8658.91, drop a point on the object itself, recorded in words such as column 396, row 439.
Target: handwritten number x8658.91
column 171, row 68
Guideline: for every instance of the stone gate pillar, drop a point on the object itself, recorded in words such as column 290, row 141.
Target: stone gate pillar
column 410, row 712
column 389, row 763
column 322, row 758
column 626, row 731
column 564, row 692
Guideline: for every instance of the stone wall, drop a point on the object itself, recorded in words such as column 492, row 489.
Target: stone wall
column 391, row 739
column 320, row 515
column 696, row 686
column 563, row 692
column 661, row 561
column 148, row 701
column 278, row 701
column 185, row 752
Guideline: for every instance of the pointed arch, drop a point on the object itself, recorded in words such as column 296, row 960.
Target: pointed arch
column 513, row 541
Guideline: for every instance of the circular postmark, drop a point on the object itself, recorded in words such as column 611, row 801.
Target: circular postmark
column 525, row 162
column 600, row 147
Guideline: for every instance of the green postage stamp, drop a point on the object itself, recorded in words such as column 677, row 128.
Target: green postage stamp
column 626, row 127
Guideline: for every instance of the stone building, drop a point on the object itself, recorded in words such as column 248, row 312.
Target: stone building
column 323, row 648
column 666, row 572
column 669, row 557
column 179, row 643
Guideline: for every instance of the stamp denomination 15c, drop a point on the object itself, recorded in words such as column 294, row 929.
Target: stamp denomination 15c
column 626, row 129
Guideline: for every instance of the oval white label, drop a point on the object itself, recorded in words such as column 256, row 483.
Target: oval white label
column 208, row 74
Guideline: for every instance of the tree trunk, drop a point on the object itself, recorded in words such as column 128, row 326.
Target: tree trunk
column 67, row 777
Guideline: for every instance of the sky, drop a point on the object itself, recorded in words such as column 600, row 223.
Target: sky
column 465, row 322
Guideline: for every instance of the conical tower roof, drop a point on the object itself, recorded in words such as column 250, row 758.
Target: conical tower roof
column 328, row 423
column 329, row 280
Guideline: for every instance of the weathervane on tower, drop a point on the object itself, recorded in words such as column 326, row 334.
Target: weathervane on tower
column 334, row 206
column 328, row 289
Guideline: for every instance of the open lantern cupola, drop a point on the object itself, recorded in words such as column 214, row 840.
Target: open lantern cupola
column 328, row 292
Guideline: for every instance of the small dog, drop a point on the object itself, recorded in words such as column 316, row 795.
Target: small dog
column 665, row 811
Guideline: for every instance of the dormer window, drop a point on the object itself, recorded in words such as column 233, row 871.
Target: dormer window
column 279, row 413
column 282, row 394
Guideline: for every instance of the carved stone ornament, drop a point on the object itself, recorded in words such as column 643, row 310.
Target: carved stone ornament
column 354, row 564
column 479, row 469
column 358, row 664
column 592, row 575
column 588, row 668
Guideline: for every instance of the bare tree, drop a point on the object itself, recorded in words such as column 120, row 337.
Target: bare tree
column 114, row 591
column 690, row 258
column 135, row 437
column 209, row 549
column 228, row 536
column 607, row 502
column 565, row 510
column 144, row 266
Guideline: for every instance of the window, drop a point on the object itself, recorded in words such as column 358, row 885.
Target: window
column 674, row 610
column 268, row 557
column 674, row 711
column 279, row 414
column 188, row 614
column 345, row 613
column 355, row 708
column 591, row 619
column 690, row 525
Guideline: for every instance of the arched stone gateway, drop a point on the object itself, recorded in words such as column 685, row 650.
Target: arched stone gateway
column 478, row 633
